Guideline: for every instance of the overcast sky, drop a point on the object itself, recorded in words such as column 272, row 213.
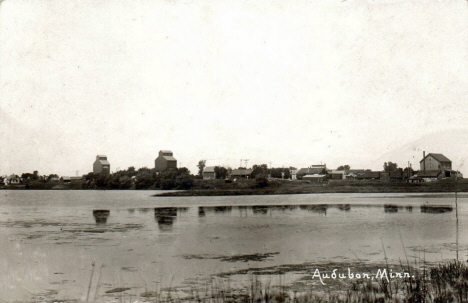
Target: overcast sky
column 293, row 83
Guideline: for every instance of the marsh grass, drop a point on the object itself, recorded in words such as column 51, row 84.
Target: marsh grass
column 444, row 283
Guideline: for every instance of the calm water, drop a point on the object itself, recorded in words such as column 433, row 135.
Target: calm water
column 58, row 245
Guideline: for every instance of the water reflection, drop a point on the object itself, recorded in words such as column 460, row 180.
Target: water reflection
column 101, row 215
column 436, row 209
column 390, row 208
column 165, row 216
column 284, row 208
column 216, row 209
column 260, row 209
column 344, row 207
column 320, row 208
column 201, row 212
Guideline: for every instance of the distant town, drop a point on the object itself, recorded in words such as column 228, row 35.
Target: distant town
column 166, row 174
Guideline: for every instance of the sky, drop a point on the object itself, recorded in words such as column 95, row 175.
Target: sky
column 291, row 83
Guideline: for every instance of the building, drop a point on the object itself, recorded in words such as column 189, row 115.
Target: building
column 242, row 173
column 12, row 179
column 209, row 173
column 315, row 178
column 76, row 179
column 313, row 170
column 336, row 174
column 65, row 179
column 428, row 175
column 101, row 166
column 165, row 161
column 368, row 175
column 435, row 162
column 294, row 174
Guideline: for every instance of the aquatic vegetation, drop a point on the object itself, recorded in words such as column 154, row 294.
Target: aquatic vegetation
column 442, row 283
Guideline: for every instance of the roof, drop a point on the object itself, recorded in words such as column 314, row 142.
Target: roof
column 209, row 169
column 241, row 172
column 104, row 162
column 396, row 174
column 335, row 171
column 165, row 151
column 169, row 158
column 355, row 170
column 314, row 176
column 369, row 174
column 438, row 157
column 310, row 170
column 428, row 174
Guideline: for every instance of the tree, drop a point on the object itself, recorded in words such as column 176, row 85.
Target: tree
column 114, row 182
column 259, row 170
column 390, row 166
column 344, row 167
column 184, row 182
column 144, row 180
column 406, row 173
column 220, row 172
column 261, row 181
column 278, row 172
column 201, row 166
column 125, row 182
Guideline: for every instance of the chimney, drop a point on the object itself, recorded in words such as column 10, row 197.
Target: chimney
column 424, row 161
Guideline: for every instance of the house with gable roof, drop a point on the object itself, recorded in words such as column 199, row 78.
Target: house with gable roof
column 209, row 173
column 434, row 161
column 436, row 166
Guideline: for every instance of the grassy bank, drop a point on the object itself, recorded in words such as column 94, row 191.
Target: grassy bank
column 446, row 283
column 280, row 187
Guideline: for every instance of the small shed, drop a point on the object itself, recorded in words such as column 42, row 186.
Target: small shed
column 242, row 173
column 429, row 175
column 209, row 173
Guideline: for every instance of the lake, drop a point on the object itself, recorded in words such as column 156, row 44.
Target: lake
column 125, row 246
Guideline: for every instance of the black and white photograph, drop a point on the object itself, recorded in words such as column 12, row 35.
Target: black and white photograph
column 233, row 151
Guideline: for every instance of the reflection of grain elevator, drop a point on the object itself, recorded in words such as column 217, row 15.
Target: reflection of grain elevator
column 101, row 166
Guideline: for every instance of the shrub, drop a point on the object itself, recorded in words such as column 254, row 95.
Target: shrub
column 167, row 184
column 261, row 181
column 184, row 182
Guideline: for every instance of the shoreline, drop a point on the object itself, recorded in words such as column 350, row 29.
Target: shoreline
column 293, row 188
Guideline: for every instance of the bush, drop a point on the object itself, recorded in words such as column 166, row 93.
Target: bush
column 125, row 182
column 167, row 184
column 184, row 182
column 261, row 181
column 144, row 181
